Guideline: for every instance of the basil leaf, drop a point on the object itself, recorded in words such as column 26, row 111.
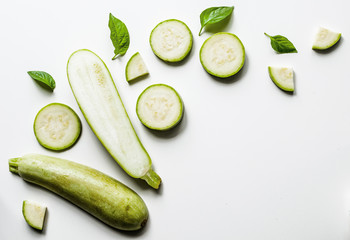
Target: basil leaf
column 43, row 78
column 214, row 15
column 281, row 44
column 119, row 36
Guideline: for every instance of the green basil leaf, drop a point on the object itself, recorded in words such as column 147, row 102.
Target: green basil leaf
column 119, row 36
column 43, row 78
column 214, row 15
column 281, row 44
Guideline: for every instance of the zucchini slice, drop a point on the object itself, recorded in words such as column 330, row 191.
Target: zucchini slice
column 57, row 126
column 171, row 40
column 34, row 214
column 99, row 101
column 159, row 107
column 222, row 55
column 93, row 191
column 135, row 67
column 283, row 77
column 325, row 39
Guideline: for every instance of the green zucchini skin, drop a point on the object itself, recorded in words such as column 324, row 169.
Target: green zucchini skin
column 100, row 195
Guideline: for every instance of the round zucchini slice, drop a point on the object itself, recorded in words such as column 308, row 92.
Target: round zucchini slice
column 325, row 39
column 34, row 214
column 171, row 40
column 283, row 77
column 159, row 107
column 222, row 55
column 57, row 126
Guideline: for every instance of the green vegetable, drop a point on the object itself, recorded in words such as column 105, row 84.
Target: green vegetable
column 57, row 126
column 99, row 101
column 222, row 55
column 34, row 214
column 159, row 107
column 171, row 40
column 282, row 77
column 119, row 36
column 43, row 78
column 100, row 195
column 135, row 67
column 281, row 44
column 214, row 15
column 325, row 39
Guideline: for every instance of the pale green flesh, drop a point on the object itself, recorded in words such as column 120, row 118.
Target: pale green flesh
column 159, row 107
column 171, row 40
column 102, row 196
column 57, row 126
column 98, row 99
column 222, row 55
column 135, row 68
column 325, row 39
column 34, row 214
column 283, row 77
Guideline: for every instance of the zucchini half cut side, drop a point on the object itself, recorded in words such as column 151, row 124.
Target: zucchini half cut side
column 102, row 107
column 222, row 55
column 159, row 107
column 57, row 127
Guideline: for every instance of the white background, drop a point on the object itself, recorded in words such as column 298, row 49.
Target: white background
column 248, row 160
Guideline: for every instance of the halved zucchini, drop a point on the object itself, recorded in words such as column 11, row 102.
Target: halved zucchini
column 99, row 101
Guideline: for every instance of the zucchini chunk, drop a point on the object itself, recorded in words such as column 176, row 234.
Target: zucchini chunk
column 222, row 55
column 102, row 107
column 34, row 214
column 135, row 67
column 159, row 107
column 57, row 126
column 283, row 77
column 100, row 195
column 325, row 39
column 171, row 40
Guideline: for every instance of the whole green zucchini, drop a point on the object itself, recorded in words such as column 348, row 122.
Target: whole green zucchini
column 102, row 196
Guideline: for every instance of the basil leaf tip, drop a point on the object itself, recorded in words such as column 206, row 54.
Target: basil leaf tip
column 214, row 15
column 43, row 78
column 119, row 36
column 281, row 44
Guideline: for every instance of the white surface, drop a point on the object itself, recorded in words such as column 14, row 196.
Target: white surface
column 247, row 162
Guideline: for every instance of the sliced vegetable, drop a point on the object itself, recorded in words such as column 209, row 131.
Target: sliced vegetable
column 135, row 67
column 281, row 44
column 34, row 213
column 222, row 55
column 159, row 107
column 119, row 36
column 214, row 15
column 100, row 195
column 282, row 77
column 43, row 78
column 99, row 100
column 171, row 40
column 325, row 39
column 57, row 126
